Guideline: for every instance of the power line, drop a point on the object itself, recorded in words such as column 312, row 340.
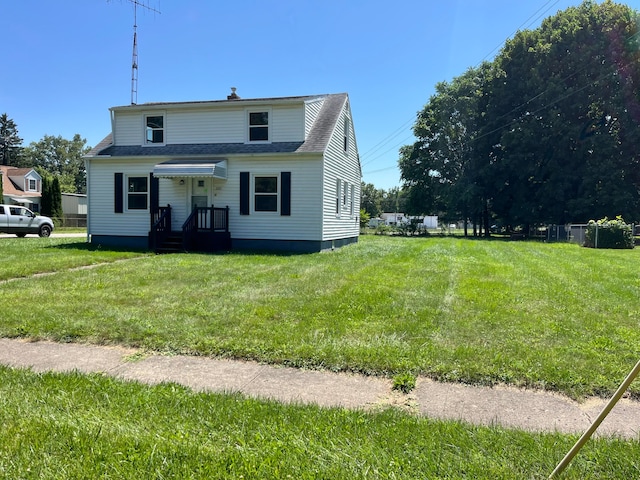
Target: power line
column 373, row 150
column 527, row 21
column 386, row 140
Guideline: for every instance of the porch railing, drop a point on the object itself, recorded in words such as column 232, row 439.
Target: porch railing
column 160, row 226
column 205, row 219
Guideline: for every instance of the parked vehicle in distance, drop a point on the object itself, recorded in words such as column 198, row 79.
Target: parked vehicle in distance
column 21, row 220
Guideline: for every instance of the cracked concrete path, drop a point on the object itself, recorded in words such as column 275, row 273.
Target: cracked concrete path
column 510, row 407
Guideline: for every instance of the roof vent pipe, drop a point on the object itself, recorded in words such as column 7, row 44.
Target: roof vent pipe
column 234, row 95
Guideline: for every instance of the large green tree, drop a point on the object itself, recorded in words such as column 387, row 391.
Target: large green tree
column 566, row 113
column 442, row 171
column 62, row 158
column 549, row 132
column 371, row 199
column 10, row 142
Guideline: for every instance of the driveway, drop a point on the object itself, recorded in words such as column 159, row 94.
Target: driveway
column 53, row 235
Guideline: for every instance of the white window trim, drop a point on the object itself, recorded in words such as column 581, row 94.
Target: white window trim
column 126, row 192
column 162, row 114
column 247, row 116
column 252, row 206
column 338, row 198
column 352, row 200
column 345, row 135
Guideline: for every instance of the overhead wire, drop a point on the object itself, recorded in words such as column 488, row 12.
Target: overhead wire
column 373, row 150
column 546, row 106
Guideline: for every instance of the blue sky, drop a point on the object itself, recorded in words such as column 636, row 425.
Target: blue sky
column 65, row 62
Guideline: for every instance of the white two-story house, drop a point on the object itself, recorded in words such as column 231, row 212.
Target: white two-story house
column 266, row 174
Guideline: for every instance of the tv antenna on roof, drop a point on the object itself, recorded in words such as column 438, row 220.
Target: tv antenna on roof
column 134, row 60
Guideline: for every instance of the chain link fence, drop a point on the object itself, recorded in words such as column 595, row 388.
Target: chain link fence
column 70, row 221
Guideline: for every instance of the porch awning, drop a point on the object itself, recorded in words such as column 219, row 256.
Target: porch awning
column 216, row 168
column 21, row 200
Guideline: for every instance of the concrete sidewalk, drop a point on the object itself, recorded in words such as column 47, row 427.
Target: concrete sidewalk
column 506, row 406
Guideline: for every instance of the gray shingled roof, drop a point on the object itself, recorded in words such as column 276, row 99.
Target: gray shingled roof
column 200, row 149
column 316, row 141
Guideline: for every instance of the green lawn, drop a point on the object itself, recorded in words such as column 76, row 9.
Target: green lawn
column 21, row 257
column 61, row 426
column 555, row 316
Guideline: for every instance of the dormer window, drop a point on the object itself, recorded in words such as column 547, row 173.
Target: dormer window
column 33, row 185
column 258, row 126
column 154, row 129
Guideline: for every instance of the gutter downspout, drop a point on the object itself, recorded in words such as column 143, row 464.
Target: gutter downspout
column 87, row 164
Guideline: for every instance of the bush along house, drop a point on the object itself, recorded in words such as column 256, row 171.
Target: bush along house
column 261, row 174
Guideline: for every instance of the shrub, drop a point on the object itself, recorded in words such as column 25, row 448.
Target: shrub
column 607, row 233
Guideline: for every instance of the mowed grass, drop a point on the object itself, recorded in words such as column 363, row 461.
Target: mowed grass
column 553, row 316
column 90, row 426
column 21, row 257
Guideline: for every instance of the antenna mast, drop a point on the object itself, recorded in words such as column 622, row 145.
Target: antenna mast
column 134, row 61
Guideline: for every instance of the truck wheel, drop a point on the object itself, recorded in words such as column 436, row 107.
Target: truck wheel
column 21, row 235
column 45, row 231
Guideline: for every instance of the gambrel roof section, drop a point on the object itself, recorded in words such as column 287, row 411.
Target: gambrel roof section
column 316, row 141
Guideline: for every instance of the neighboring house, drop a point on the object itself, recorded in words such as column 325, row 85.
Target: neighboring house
column 74, row 204
column 272, row 173
column 394, row 218
column 21, row 186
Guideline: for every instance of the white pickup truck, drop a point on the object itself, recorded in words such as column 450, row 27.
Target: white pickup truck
column 21, row 220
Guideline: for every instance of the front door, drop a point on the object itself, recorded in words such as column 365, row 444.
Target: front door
column 200, row 191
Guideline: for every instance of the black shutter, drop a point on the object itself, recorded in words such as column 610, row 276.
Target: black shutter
column 285, row 194
column 118, row 192
column 154, row 193
column 244, row 193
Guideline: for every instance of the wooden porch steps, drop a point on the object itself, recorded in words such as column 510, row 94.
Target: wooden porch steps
column 172, row 244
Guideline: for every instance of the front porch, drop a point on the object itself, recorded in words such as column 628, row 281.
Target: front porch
column 205, row 230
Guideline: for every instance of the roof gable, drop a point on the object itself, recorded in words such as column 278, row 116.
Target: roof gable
column 11, row 177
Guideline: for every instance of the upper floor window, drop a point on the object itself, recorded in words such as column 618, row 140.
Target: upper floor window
column 154, row 129
column 258, row 126
column 137, row 193
column 33, row 186
column 265, row 194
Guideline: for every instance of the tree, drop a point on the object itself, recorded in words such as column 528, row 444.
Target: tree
column 393, row 200
column 441, row 170
column 56, row 199
column 10, row 142
column 46, row 198
column 51, row 200
column 62, row 158
column 370, row 199
column 566, row 119
column 364, row 218
column 546, row 133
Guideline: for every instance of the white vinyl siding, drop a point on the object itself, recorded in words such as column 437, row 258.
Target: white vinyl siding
column 312, row 109
column 129, row 128
column 346, row 170
column 102, row 219
column 305, row 220
column 286, row 124
column 222, row 126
